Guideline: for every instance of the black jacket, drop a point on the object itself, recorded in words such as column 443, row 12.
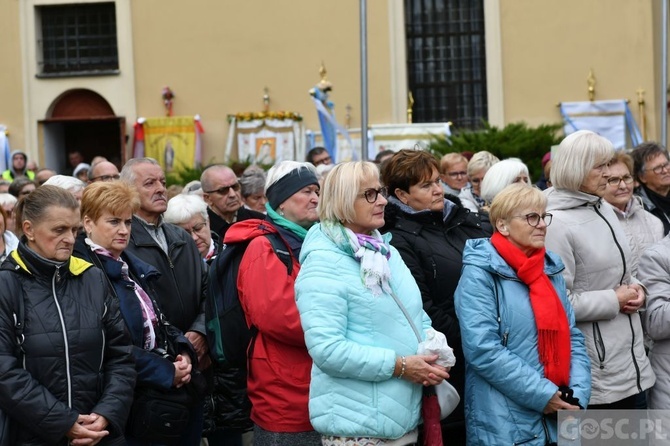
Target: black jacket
column 432, row 248
column 77, row 356
column 182, row 286
column 220, row 226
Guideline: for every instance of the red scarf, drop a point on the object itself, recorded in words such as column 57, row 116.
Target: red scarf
column 553, row 332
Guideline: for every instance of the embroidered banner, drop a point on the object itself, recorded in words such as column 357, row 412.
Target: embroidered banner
column 173, row 141
column 606, row 118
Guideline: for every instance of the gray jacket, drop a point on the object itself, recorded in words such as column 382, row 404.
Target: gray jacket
column 593, row 246
column 654, row 272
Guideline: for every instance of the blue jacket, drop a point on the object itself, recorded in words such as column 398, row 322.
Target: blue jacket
column 354, row 339
column 505, row 388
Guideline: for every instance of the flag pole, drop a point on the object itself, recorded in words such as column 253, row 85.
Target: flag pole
column 664, row 74
column 364, row 79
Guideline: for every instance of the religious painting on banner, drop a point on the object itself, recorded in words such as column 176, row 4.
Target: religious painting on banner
column 170, row 141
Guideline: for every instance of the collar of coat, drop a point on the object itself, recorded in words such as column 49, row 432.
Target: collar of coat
column 76, row 265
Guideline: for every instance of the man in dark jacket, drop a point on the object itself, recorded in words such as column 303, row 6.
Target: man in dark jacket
column 221, row 192
column 182, row 286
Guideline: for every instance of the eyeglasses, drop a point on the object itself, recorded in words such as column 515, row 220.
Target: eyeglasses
column 106, row 178
column 371, row 195
column 457, row 174
column 615, row 181
column 534, row 218
column 197, row 228
column 224, row 190
column 660, row 168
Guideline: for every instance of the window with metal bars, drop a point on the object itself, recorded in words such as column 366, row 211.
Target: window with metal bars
column 446, row 61
column 78, row 39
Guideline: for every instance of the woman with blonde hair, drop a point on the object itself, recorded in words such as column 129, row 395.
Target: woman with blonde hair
column 479, row 164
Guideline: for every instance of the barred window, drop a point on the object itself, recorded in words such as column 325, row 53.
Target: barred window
column 446, row 61
column 78, row 38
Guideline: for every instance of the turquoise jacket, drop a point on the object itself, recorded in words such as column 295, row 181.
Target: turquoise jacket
column 354, row 339
column 505, row 388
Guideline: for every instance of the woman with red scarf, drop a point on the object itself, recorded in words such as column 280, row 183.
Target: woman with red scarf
column 524, row 357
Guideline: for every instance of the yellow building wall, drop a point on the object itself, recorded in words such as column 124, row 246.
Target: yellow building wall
column 218, row 56
column 548, row 48
column 11, row 85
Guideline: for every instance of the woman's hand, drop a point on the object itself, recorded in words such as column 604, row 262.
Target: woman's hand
column 421, row 369
column 182, row 371
column 88, row 430
column 633, row 305
column 556, row 403
column 626, row 294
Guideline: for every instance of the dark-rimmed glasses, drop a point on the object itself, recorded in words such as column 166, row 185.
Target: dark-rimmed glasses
column 371, row 195
column 660, row 168
column 457, row 174
column 534, row 218
column 615, row 181
column 106, row 178
column 224, row 189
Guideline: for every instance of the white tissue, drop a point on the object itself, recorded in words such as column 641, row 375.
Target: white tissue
column 436, row 344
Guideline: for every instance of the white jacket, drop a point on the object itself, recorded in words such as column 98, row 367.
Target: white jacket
column 589, row 238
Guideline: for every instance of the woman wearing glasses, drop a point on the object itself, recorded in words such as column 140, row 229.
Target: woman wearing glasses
column 641, row 227
column 525, row 358
column 367, row 379
column 604, row 293
column 430, row 232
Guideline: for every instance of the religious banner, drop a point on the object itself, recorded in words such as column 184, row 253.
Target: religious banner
column 5, row 162
column 264, row 138
column 609, row 119
column 172, row 141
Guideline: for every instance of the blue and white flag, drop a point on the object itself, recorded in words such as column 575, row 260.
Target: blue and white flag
column 328, row 123
column 609, row 119
column 4, row 149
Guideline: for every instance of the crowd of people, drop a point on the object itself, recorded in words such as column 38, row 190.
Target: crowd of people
column 551, row 297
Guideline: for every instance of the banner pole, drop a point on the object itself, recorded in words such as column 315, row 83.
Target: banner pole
column 364, row 79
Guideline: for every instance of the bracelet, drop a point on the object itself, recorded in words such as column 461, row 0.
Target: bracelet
column 402, row 367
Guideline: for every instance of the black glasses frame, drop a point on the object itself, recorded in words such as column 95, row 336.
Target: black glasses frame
column 371, row 195
column 533, row 219
column 224, row 189
column 615, row 181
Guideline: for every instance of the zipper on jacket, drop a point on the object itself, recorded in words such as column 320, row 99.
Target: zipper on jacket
column 104, row 340
column 600, row 344
column 174, row 277
column 632, row 352
column 55, row 277
column 546, row 429
column 504, row 338
column 616, row 242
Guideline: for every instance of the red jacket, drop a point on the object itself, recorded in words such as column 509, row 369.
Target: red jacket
column 279, row 366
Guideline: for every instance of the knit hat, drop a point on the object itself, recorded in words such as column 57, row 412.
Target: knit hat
column 546, row 158
column 289, row 184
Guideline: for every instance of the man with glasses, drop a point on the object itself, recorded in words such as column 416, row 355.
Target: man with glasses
column 103, row 171
column 221, row 192
column 652, row 172
column 453, row 173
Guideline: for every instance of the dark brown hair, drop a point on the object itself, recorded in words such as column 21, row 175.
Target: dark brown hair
column 407, row 168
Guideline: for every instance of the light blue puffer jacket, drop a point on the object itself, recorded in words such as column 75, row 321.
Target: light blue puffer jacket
column 505, row 387
column 354, row 339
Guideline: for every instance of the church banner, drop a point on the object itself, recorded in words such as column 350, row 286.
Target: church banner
column 609, row 119
column 172, row 141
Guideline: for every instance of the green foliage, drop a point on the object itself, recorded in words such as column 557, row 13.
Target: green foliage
column 184, row 174
column 516, row 140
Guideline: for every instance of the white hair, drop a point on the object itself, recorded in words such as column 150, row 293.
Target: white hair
column 6, row 198
column 70, row 184
column 184, row 207
column 577, row 154
column 501, row 175
column 278, row 171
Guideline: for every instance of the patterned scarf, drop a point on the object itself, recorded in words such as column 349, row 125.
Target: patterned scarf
column 553, row 332
column 372, row 251
column 286, row 224
column 148, row 314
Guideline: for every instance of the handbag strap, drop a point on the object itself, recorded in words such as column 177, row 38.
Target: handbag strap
column 404, row 311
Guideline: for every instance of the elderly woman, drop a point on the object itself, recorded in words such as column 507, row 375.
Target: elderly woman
column 71, row 184
column 8, row 241
column 642, row 228
column 107, row 210
column 279, row 365
column 479, row 164
column 430, row 232
column 252, row 188
column 652, row 172
column 525, row 358
column 453, row 173
column 605, row 296
column 8, row 203
column 73, row 378
column 358, row 303
column 189, row 211
column 501, row 175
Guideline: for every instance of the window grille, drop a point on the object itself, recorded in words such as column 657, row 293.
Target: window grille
column 446, row 61
column 78, row 38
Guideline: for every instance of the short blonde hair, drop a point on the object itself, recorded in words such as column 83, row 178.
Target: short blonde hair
column 338, row 196
column 450, row 159
column 577, row 154
column 482, row 160
column 114, row 197
column 512, row 199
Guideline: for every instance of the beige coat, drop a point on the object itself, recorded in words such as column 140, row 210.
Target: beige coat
column 587, row 235
column 654, row 272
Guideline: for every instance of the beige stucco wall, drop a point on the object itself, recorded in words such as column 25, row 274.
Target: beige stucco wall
column 548, row 48
column 11, row 86
column 217, row 57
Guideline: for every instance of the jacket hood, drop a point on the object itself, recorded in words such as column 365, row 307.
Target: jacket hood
column 481, row 253
column 561, row 199
column 246, row 230
column 633, row 206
